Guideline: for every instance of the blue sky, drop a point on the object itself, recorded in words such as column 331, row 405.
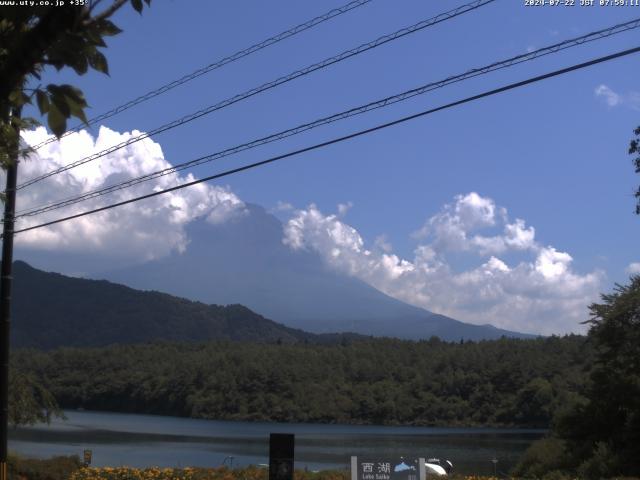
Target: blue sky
column 553, row 154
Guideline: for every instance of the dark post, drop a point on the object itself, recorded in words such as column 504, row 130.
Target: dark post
column 86, row 454
column 5, row 301
column 281, row 454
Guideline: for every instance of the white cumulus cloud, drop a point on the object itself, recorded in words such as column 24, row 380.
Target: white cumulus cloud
column 614, row 99
column 538, row 293
column 633, row 268
column 453, row 228
column 142, row 230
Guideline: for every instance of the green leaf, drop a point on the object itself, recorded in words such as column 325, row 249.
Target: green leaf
column 57, row 121
column 99, row 62
column 108, row 28
column 76, row 110
column 68, row 100
column 73, row 93
column 52, row 88
column 18, row 98
column 67, row 51
column 61, row 104
column 137, row 5
column 58, row 64
column 80, row 64
column 95, row 37
column 43, row 101
column 28, row 123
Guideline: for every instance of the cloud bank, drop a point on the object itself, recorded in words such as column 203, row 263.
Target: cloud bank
column 539, row 293
column 140, row 231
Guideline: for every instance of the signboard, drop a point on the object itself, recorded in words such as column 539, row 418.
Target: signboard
column 281, row 453
column 391, row 468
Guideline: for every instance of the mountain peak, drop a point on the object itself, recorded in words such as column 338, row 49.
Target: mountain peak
column 244, row 261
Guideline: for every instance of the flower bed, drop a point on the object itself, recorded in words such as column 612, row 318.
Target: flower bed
column 191, row 473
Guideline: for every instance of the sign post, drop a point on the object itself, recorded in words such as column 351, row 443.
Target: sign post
column 281, row 455
column 86, row 454
column 398, row 468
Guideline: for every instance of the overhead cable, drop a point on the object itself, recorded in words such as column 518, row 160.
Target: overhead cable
column 214, row 66
column 590, row 37
column 343, row 138
column 269, row 85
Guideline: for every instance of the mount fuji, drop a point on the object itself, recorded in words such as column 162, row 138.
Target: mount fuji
column 244, row 261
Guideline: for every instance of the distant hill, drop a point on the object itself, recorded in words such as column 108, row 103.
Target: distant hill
column 52, row 310
column 244, row 261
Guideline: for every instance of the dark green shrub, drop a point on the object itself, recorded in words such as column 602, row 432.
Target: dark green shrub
column 55, row 468
column 544, row 457
column 603, row 463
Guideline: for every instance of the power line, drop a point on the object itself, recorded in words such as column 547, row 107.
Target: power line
column 603, row 33
column 269, row 85
column 346, row 137
column 214, row 66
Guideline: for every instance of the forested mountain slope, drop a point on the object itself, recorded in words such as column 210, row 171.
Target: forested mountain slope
column 51, row 310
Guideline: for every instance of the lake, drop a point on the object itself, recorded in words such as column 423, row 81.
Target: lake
column 148, row 440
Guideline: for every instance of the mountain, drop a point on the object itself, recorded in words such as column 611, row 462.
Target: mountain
column 244, row 261
column 52, row 310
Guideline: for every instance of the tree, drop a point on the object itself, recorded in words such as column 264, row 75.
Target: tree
column 31, row 39
column 634, row 149
column 613, row 408
column 599, row 436
column 30, row 401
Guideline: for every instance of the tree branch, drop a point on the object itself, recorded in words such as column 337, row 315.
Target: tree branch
column 93, row 4
column 22, row 59
column 115, row 6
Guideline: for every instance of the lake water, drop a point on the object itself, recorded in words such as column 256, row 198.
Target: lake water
column 148, row 440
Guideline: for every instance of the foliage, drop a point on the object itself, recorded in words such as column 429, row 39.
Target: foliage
column 610, row 421
column 30, row 401
column 379, row 381
column 541, row 458
column 221, row 473
column 155, row 473
column 56, row 468
column 601, row 433
column 634, row 149
column 34, row 37
column 603, row 463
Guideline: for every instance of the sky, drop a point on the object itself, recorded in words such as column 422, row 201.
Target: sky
column 515, row 210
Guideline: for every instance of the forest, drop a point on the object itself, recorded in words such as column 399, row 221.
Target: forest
column 506, row 382
column 585, row 390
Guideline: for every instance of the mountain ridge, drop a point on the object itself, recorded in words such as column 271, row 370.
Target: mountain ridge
column 245, row 261
column 51, row 310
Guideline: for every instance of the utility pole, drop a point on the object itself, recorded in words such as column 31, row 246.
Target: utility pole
column 5, row 292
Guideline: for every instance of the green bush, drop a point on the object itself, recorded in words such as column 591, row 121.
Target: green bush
column 602, row 464
column 544, row 458
column 55, row 468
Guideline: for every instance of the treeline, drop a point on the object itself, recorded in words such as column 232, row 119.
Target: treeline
column 505, row 382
